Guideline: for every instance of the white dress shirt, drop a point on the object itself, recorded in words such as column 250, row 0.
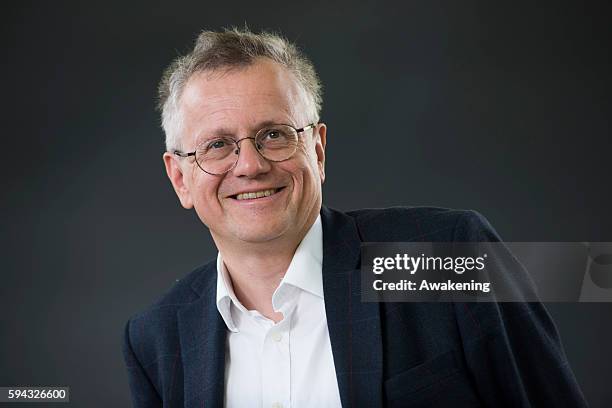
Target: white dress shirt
column 284, row 364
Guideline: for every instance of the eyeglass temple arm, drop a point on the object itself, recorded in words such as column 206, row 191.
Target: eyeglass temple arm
column 305, row 128
column 181, row 154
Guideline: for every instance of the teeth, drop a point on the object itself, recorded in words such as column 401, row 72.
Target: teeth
column 256, row 194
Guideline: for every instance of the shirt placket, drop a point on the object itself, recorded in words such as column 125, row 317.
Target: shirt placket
column 276, row 363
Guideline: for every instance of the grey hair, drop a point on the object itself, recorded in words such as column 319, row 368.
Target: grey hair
column 227, row 49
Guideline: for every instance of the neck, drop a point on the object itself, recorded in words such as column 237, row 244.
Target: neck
column 256, row 269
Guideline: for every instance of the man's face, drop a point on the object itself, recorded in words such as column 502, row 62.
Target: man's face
column 238, row 103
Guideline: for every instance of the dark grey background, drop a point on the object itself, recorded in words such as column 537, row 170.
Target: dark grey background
column 503, row 107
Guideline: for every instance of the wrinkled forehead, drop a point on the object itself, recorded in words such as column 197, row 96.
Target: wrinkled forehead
column 241, row 99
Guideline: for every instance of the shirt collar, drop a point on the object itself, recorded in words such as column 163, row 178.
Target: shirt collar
column 304, row 272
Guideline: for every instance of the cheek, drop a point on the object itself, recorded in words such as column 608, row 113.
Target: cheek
column 205, row 191
column 309, row 157
column 191, row 181
column 307, row 177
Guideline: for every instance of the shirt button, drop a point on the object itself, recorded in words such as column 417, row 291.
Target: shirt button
column 277, row 337
column 277, row 405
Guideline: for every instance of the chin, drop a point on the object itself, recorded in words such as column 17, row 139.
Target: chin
column 260, row 233
column 257, row 236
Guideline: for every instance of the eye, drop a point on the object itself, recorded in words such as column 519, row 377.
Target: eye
column 272, row 134
column 276, row 135
column 216, row 144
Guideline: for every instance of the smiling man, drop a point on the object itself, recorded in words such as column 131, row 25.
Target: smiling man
column 276, row 320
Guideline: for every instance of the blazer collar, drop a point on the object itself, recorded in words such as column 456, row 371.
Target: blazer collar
column 354, row 326
column 202, row 335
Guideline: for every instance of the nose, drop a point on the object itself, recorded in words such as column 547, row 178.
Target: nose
column 250, row 163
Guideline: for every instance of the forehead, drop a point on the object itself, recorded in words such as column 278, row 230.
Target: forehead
column 241, row 99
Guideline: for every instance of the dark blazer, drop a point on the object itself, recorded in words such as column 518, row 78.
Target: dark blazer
column 385, row 354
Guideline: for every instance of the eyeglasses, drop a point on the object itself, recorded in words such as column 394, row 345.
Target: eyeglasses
column 219, row 155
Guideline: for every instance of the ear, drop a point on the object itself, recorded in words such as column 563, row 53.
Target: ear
column 320, row 140
column 178, row 179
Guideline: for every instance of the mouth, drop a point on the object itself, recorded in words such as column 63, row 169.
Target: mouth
column 258, row 194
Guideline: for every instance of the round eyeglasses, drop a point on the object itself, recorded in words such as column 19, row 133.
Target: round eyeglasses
column 218, row 155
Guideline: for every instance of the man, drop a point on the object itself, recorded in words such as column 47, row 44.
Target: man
column 277, row 319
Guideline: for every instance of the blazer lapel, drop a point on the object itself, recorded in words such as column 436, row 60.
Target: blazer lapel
column 354, row 326
column 202, row 337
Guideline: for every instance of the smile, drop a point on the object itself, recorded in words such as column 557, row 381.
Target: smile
column 257, row 194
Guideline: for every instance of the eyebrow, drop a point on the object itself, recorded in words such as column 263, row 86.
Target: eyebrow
column 226, row 132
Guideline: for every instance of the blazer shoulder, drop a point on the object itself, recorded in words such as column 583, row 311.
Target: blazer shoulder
column 184, row 291
column 422, row 224
column 153, row 333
